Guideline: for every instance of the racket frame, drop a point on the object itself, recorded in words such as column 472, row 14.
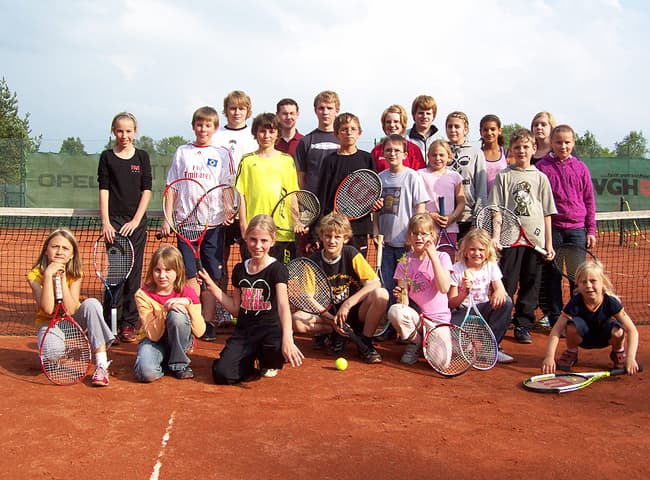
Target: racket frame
column 356, row 194
column 352, row 335
column 61, row 315
column 444, row 243
column 567, row 382
column 114, row 290
column 473, row 329
column 492, row 210
column 298, row 195
column 464, row 351
column 557, row 260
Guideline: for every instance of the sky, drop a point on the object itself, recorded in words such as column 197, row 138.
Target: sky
column 75, row 63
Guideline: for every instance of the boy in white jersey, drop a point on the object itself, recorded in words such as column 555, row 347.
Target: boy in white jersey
column 236, row 136
column 210, row 165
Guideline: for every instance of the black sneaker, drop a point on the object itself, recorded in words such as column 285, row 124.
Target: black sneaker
column 337, row 344
column 370, row 355
column 522, row 335
column 210, row 334
column 184, row 374
column 319, row 341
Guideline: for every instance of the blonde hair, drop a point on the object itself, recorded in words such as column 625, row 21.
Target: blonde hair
column 239, row 99
column 594, row 266
column 563, row 129
column 549, row 116
column 263, row 222
column 207, row 114
column 462, row 116
column 124, row 116
column 401, row 111
column 172, row 259
column 74, row 267
column 421, row 221
column 327, row 96
column 334, row 222
column 440, row 143
column 482, row 237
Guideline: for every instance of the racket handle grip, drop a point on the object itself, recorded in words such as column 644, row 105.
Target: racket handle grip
column 441, row 206
column 199, row 267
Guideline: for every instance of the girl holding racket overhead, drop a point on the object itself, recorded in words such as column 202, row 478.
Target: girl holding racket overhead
column 423, row 275
column 125, row 179
column 477, row 274
column 593, row 318
column 60, row 257
column 263, row 337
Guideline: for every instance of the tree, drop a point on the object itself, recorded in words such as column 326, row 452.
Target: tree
column 168, row 145
column 507, row 131
column 72, row 146
column 15, row 142
column 145, row 143
column 588, row 146
column 633, row 145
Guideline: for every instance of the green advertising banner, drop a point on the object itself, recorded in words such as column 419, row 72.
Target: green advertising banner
column 615, row 178
column 70, row 181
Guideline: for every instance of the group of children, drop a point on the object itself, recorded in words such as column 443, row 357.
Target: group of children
column 554, row 200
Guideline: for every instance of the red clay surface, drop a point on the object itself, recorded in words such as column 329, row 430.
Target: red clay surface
column 384, row 421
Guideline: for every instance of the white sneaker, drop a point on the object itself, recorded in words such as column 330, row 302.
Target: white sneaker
column 269, row 372
column 503, row 357
column 411, row 354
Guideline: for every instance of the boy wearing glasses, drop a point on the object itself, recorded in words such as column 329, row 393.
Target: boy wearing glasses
column 404, row 195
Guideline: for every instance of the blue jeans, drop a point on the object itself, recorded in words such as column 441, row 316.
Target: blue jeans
column 389, row 261
column 170, row 349
column 551, row 286
column 498, row 319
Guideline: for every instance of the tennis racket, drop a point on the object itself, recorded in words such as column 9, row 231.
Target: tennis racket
column 357, row 193
column 64, row 351
column 568, row 382
column 309, row 290
column 505, row 225
column 568, row 258
column 296, row 211
column 224, row 202
column 481, row 334
column 445, row 244
column 188, row 210
column 113, row 264
column 447, row 348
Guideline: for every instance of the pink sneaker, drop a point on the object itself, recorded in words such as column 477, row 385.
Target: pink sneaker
column 567, row 360
column 618, row 358
column 100, row 377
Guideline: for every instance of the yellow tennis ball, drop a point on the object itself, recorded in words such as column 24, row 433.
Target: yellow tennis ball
column 341, row 363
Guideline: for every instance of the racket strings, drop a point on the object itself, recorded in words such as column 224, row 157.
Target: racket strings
column 357, row 193
column 483, row 342
column 308, row 288
column 449, row 350
column 192, row 208
column 65, row 353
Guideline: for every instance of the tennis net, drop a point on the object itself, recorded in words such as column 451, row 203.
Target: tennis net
column 623, row 246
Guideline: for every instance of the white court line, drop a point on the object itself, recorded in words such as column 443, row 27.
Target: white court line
column 165, row 439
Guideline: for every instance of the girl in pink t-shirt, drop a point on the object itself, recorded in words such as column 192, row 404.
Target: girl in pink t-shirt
column 442, row 182
column 423, row 276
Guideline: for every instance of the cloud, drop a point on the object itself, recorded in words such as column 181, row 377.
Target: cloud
column 80, row 62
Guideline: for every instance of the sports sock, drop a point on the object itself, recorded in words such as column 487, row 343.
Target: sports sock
column 101, row 359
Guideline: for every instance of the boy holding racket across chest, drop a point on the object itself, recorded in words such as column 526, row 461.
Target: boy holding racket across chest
column 526, row 191
column 338, row 165
column 357, row 294
column 210, row 165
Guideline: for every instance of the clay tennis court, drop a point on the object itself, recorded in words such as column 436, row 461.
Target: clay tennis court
column 383, row 421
